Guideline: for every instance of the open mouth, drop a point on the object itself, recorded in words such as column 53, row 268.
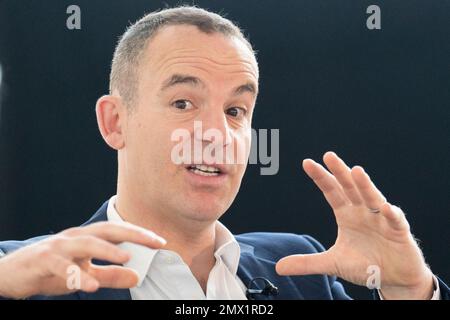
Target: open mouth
column 204, row 170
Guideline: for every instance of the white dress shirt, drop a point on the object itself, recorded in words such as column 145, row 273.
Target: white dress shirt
column 164, row 275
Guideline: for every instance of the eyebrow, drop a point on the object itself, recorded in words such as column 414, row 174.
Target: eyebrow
column 249, row 87
column 177, row 79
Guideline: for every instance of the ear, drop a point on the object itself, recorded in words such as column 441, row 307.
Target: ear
column 111, row 116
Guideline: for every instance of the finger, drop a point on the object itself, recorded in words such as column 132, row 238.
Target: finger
column 120, row 232
column 372, row 197
column 326, row 183
column 394, row 216
column 299, row 264
column 74, row 277
column 114, row 276
column 343, row 175
column 93, row 247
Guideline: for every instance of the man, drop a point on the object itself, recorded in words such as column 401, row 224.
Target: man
column 171, row 69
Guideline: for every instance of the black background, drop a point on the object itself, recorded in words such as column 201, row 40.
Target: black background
column 379, row 98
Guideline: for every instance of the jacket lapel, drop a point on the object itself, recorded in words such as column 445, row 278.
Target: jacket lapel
column 100, row 215
column 251, row 266
column 104, row 293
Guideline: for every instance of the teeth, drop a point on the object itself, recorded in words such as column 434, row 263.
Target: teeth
column 206, row 174
column 204, row 170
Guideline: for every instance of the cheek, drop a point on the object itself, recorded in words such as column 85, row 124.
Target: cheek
column 163, row 145
column 241, row 150
column 150, row 144
column 242, row 144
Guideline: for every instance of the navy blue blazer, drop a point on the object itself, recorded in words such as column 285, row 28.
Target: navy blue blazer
column 259, row 253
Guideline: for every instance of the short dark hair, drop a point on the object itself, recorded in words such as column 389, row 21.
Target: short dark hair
column 126, row 59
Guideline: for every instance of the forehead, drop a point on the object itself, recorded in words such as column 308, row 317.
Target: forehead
column 185, row 47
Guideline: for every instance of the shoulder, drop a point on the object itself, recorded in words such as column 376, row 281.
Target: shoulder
column 281, row 244
column 13, row 245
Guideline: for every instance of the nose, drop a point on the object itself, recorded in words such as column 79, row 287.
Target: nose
column 215, row 129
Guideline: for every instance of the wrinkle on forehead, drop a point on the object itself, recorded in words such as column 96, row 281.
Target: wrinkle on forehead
column 191, row 47
column 203, row 63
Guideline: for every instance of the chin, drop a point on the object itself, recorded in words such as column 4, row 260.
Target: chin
column 205, row 209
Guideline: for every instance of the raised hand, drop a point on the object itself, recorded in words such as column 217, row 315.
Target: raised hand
column 371, row 232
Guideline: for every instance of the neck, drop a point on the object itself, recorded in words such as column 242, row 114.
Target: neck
column 194, row 241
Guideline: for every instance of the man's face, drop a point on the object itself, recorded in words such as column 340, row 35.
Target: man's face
column 186, row 75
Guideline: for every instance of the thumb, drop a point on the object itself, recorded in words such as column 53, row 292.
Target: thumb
column 305, row 264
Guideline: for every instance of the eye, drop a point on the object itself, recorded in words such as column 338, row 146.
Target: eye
column 236, row 112
column 182, row 104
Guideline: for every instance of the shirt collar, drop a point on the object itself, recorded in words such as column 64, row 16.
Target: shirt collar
column 226, row 248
